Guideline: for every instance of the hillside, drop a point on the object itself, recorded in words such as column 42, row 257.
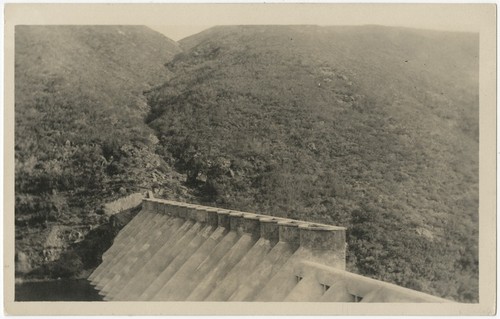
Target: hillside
column 80, row 137
column 369, row 127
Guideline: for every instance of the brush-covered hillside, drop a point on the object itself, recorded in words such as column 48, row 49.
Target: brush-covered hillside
column 368, row 127
column 80, row 136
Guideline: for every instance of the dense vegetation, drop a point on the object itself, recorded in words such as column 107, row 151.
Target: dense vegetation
column 80, row 135
column 369, row 127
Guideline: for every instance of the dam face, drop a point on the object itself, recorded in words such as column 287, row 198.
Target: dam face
column 173, row 251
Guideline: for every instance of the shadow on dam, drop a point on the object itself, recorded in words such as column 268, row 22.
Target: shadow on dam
column 173, row 251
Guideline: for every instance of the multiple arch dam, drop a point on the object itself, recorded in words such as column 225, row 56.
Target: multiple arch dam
column 173, row 251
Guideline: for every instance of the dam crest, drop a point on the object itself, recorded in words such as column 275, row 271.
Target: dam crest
column 174, row 251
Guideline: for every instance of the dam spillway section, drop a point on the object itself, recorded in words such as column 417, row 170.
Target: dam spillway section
column 174, row 251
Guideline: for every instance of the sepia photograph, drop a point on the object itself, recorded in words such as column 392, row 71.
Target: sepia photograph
column 323, row 157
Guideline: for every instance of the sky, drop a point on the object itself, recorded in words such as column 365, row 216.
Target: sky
column 178, row 20
column 463, row 18
column 177, row 33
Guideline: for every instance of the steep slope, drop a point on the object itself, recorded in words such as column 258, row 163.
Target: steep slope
column 80, row 136
column 369, row 127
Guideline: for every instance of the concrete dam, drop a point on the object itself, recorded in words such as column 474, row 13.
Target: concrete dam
column 173, row 251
